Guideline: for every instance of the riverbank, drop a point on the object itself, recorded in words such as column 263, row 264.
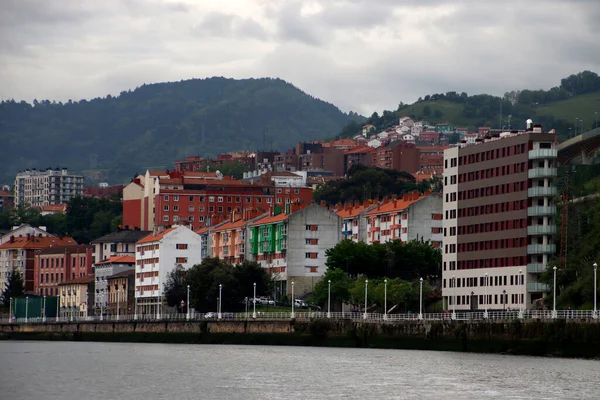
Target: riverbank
column 557, row 338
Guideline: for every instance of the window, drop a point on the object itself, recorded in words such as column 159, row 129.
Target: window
column 269, row 200
column 191, row 208
column 311, row 255
column 176, row 198
column 176, row 218
column 229, row 199
column 166, row 197
column 312, row 241
column 181, row 260
column 229, row 209
column 211, row 198
column 259, row 200
column 191, row 219
column 211, row 209
column 220, row 209
column 166, row 218
column 296, row 191
column 278, row 190
column 248, row 199
column 166, row 208
column 201, row 219
column 201, row 209
column 220, row 199
column 312, row 228
column 181, row 246
column 238, row 199
column 191, row 198
column 175, row 208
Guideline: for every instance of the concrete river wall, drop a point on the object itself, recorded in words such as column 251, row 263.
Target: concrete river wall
column 542, row 338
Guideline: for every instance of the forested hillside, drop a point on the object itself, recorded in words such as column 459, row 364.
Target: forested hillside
column 577, row 96
column 156, row 124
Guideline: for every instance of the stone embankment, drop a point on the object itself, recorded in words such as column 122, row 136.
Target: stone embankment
column 556, row 338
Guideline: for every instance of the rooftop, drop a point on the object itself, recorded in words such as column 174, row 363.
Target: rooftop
column 118, row 260
column 36, row 242
column 126, row 273
column 122, row 236
column 397, row 205
column 80, row 280
column 155, row 237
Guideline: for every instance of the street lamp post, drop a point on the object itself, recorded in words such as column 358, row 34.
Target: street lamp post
column 72, row 304
column 366, row 293
column 421, row 299
column 521, row 298
column 135, row 311
column 58, row 308
column 485, row 300
column 293, row 301
column 595, row 314
column 554, row 295
column 187, row 314
column 454, row 299
column 100, row 297
column 26, row 308
column 385, row 299
column 44, row 314
column 504, row 299
column 118, row 304
column 254, row 301
column 10, row 311
column 329, row 299
column 219, row 315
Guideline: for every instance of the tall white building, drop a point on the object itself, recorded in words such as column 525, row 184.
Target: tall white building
column 37, row 188
column 156, row 256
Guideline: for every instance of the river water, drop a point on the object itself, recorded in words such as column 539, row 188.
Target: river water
column 79, row 370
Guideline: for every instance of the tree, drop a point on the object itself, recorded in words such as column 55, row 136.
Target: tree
column 340, row 288
column 14, row 287
column 175, row 287
column 426, row 111
column 358, row 258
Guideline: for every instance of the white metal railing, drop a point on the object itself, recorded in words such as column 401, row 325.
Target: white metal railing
column 480, row 315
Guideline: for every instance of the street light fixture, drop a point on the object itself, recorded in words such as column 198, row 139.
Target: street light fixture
column 485, row 300
column 454, row 299
column 118, row 304
column 554, row 295
column 329, row 299
column 595, row 314
column 293, row 301
column 385, row 299
column 254, row 301
column 504, row 299
column 10, row 311
column 219, row 315
column 521, row 297
column 421, row 300
column 187, row 316
column 366, row 293
column 44, row 314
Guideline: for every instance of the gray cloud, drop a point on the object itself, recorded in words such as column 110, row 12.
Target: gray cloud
column 362, row 55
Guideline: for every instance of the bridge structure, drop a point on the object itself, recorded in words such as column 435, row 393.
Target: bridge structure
column 579, row 149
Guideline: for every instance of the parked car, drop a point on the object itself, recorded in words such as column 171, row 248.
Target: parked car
column 210, row 315
column 300, row 303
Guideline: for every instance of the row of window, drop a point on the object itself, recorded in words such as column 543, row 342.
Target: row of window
column 496, row 280
column 221, row 199
column 54, row 278
column 493, row 172
column 50, row 262
column 465, row 300
column 492, row 190
column 488, row 227
column 487, row 263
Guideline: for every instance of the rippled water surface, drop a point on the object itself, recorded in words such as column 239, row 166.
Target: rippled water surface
column 76, row 370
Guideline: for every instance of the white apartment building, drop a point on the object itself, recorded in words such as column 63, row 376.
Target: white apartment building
column 37, row 188
column 156, row 256
column 412, row 217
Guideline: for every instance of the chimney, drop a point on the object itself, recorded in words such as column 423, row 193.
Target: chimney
column 12, row 238
column 385, row 199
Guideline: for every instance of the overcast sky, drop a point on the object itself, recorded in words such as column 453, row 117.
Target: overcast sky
column 361, row 55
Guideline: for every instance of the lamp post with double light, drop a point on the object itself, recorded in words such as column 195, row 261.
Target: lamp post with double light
column 293, row 315
column 485, row 300
column 595, row 313
column 366, row 293
column 554, row 295
column 521, row 297
column 254, row 301
column 220, row 315
column 329, row 299
column 421, row 299
column 385, row 316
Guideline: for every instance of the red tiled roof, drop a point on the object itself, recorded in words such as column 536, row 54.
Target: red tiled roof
column 396, row 205
column 82, row 280
column 4, row 193
column 118, row 260
column 231, row 225
column 154, row 238
column 55, row 207
column 271, row 219
column 359, row 149
column 432, row 149
column 353, row 212
column 203, row 230
column 36, row 242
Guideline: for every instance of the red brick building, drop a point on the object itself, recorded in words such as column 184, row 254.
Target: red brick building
column 362, row 155
column 167, row 198
column 397, row 155
column 55, row 265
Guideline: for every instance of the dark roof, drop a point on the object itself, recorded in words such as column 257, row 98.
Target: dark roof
column 128, row 272
column 124, row 236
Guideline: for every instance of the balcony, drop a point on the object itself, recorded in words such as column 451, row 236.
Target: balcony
column 541, row 191
column 541, row 211
column 536, row 173
column 543, row 154
column 541, row 230
column 538, row 287
column 536, row 268
column 541, row 249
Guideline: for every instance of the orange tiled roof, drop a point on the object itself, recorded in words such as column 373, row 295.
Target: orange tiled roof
column 231, row 225
column 271, row 219
column 4, row 193
column 396, row 205
column 154, row 238
column 203, row 230
column 36, row 242
column 55, row 207
column 353, row 212
column 118, row 260
column 359, row 149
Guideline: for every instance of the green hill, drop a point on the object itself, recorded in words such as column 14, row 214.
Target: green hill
column 577, row 96
column 156, row 124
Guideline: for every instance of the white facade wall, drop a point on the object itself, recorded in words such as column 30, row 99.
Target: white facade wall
column 450, row 223
column 101, row 273
column 167, row 255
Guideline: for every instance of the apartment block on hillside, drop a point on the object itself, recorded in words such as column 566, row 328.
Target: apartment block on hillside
column 37, row 188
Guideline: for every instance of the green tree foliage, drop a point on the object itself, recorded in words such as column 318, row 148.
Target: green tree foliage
column 155, row 124
column 340, row 288
column 364, row 183
column 14, row 287
column 175, row 288
column 237, row 280
column 393, row 259
column 86, row 218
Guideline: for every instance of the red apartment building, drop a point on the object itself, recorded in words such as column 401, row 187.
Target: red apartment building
column 55, row 265
column 167, row 198
column 397, row 155
column 362, row 155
